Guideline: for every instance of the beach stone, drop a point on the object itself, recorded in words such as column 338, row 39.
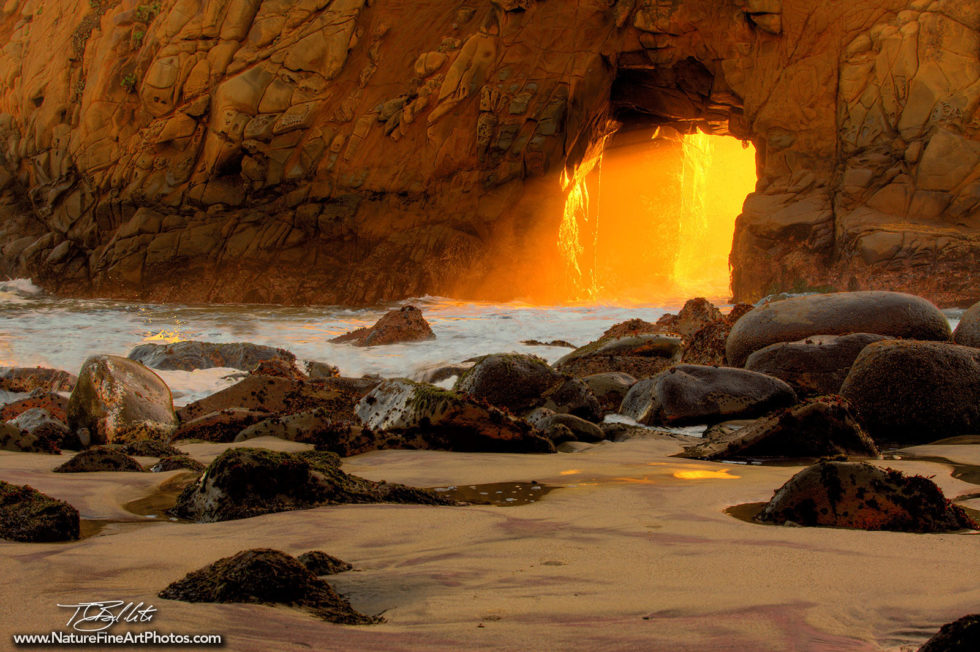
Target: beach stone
column 967, row 332
column 119, row 400
column 446, row 420
column 54, row 404
column 861, row 496
column 265, row 576
column 915, row 392
column 707, row 346
column 695, row 315
column 395, row 327
column 246, row 482
column 515, row 381
column 689, row 394
column 279, row 368
column 320, row 563
column 961, row 635
column 99, row 458
column 442, row 372
column 820, row 427
column 894, row 314
column 176, row 462
column 814, row 366
column 14, row 439
column 641, row 355
column 301, row 426
column 147, row 448
column 565, row 427
column 321, row 370
column 188, row 356
column 28, row 515
column 609, row 388
column 30, row 379
column 220, row 426
column 41, row 424
column 638, row 327
column 574, row 397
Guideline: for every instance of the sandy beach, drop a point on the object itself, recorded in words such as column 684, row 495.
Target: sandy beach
column 633, row 550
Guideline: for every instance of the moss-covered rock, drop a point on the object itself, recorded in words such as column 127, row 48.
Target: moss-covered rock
column 188, row 356
column 175, row 462
column 148, row 448
column 265, row 576
column 99, row 458
column 320, row 563
column 30, row 379
column 28, row 515
column 14, row 439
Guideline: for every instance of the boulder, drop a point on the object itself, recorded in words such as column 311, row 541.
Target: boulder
column 54, row 404
column 638, row 327
column 175, row 462
column 574, row 397
column 265, row 576
column 396, row 326
column 884, row 313
column 221, row 426
column 707, row 346
column 446, row 420
column 609, row 388
column 695, row 315
column 30, row 379
column 28, row 515
column 564, row 427
column 279, row 368
column 688, row 394
column 188, row 356
column 147, row 448
column 860, row 496
column 915, row 392
column 967, row 332
column 321, row 370
column 246, row 482
column 814, row 366
column 820, row 427
column 320, row 563
column 306, row 426
column 14, row 439
column 641, row 355
column 99, row 458
column 515, row 381
column 962, row 635
column 41, row 424
column 119, row 400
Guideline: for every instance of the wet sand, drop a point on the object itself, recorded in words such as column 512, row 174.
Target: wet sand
column 633, row 549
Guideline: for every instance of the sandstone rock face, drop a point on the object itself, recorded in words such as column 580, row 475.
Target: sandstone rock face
column 188, row 356
column 118, row 400
column 403, row 325
column 861, row 496
column 814, row 366
column 967, row 331
column 696, row 394
column 915, row 392
column 28, row 515
column 789, row 320
column 349, row 152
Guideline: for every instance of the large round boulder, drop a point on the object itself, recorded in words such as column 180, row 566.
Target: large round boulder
column 688, row 394
column 814, row 366
column 967, row 331
column 515, row 381
column 861, row 496
column 915, row 392
column 885, row 313
column 119, row 400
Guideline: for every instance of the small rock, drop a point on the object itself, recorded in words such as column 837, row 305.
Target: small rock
column 14, row 439
column 707, row 346
column 404, row 325
column 175, row 462
column 54, row 404
column 188, row 356
column 695, row 315
column 321, row 370
column 860, row 496
column 220, row 426
column 609, row 388
column 278, row 368
column 41, row 424
column 640, row 355
column 575, row 397
column 99, row 458
column 28, row 515
column 30, row 379
column 967, row 332
column 962, row 635
column 268, row 576
column 148, row 448
column 320, row 563
column 558, row 343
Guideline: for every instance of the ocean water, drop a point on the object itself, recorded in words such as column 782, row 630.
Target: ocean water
column 37, row 329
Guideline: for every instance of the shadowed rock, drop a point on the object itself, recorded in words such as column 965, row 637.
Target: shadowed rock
column 962, row 635
column 884, row 313
column 707, row 346
column 222, row 425
column 814, row 366
column 148, row 448
column 320, row 563
column 860, row 496
column 967, row 332
column 265, row 576
column 245, row 482
column 515, row 381
column 53, row 404
column 321, row 370
column 641, row 355
column 119, row 400
column 278, row 367
column 14, row 439
column 915, row 392
column 28, row 515
column 29, row 379
column 99, row 458
column 188, row 356
column 688, row 394
column 175, row 462
column 396, row 326
column 821, row 427
column 609, row 388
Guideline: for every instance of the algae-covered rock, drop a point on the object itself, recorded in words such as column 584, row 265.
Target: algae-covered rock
column 14, row 439
column 265, row 576
column 30, row 379
column 99, row 458
column 320, row 563
column 119, row 400
column 640, row 355
column 175, row 462
column 188, row 356
column 26, row 514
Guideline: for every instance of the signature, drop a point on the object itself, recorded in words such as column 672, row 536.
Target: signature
column 100, row 616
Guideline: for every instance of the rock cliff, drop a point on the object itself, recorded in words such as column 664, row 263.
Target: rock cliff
column 354, row 151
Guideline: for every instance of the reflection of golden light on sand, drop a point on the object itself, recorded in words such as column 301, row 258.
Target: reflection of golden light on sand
column 644, row 480
column 702, row 474
column 570, row 472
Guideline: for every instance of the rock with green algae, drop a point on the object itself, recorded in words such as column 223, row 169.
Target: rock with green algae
column 246, row 482
column 28, row 515
column 99, row 458
column 320, row 563
column 265, row 576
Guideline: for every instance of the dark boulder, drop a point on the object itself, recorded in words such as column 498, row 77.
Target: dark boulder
column 42, row 425
column 30, row 379
column 707, row 346
column 99, row 458
column 188, row 356
column 221, row 426
column 565, row 427
column 967, row 332
column 640, row 355
column 14, row 439
column 514, row 381
column 574, row 397
column 246, row 482
column 915, row 392
column 265, row 576
column 610, row 389
column 147, row 448
column 961, row 635
column 396, row 326
column 28, row 515
column 175, row 462
column 884, row 313
column 820, row 427
column 860, row 496
column 689, row 394
column 814, row 366
column 320, row 563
